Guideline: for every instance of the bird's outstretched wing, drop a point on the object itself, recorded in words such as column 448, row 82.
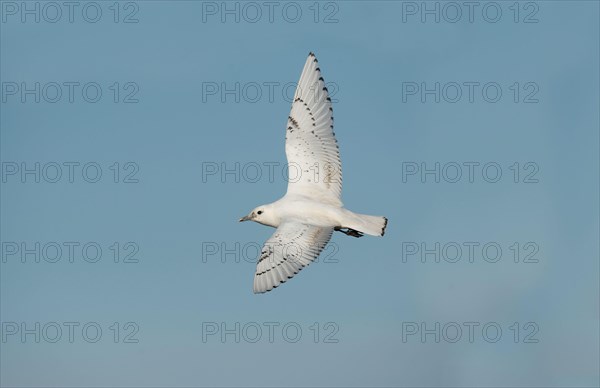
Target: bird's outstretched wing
column 314, row 165
column 292, row 247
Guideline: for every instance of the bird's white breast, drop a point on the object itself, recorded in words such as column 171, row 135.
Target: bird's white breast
column 309, row 211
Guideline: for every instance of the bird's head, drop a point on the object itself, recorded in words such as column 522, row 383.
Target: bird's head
column 263, row 215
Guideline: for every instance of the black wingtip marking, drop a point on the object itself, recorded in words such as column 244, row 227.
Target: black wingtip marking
column 294, row 122
column 384, row 226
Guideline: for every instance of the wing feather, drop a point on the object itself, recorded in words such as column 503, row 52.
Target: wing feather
column 292, row 247
column 315, row 167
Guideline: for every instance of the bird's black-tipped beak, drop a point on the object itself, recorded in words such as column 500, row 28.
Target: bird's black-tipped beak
column 244, row 218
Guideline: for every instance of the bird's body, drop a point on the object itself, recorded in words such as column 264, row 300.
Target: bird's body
column 312, row 209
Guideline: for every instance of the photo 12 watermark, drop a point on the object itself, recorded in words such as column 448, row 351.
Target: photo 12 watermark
column 453, row 92
column 268, row 172
column 470, row 12
column 253, row 92
column 70, row 92
column 252, row 12
column 69, row 332
column 70, row 12
column 270, row 332
column 469, row 252
column 470, row 172
column 249, row 252
column 69, row 252
column 56, row 172
column 470, row 332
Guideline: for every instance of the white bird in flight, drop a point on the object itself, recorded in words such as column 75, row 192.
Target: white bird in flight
column 311, row 209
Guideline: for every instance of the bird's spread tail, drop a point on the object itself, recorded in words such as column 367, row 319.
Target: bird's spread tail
column 372, row 225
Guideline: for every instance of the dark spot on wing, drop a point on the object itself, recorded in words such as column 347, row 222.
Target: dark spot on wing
column 294, row 122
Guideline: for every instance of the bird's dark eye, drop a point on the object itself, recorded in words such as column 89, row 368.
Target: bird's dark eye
column 259, row 212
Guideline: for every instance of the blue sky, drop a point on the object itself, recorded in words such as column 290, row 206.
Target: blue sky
column 193, row 106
